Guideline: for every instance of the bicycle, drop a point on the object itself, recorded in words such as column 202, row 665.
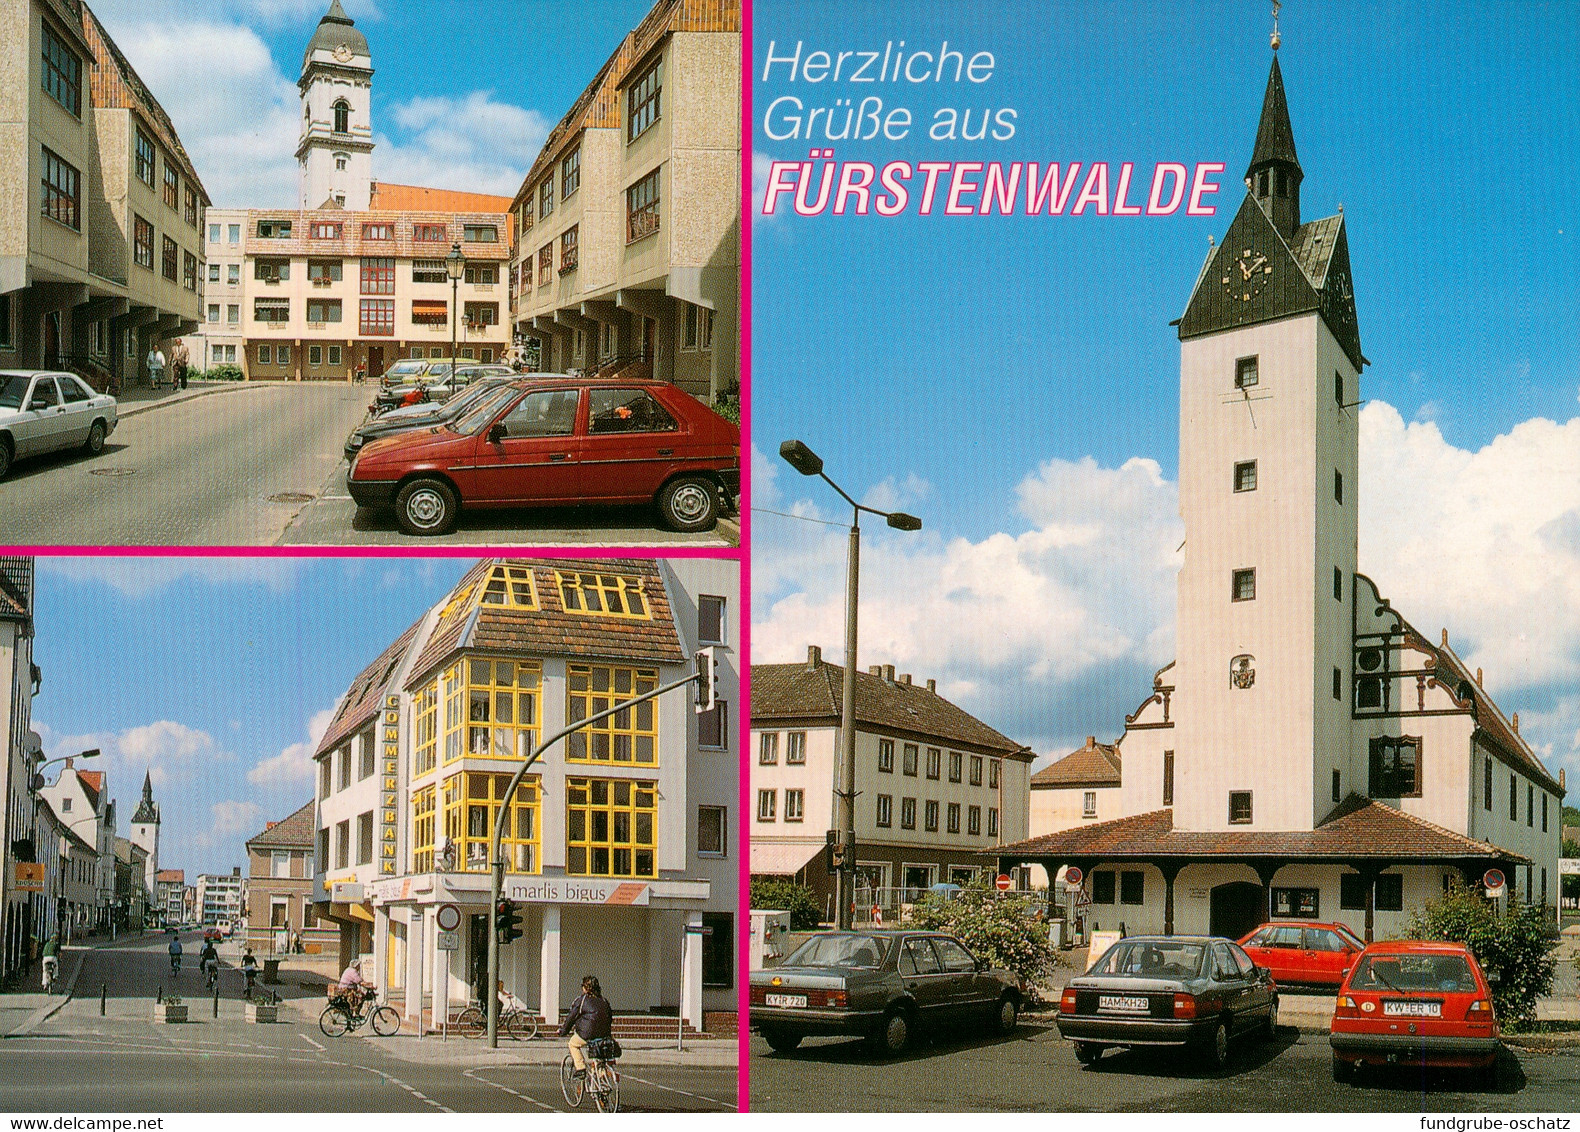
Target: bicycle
column 514, row 1022
column 210, row 975
column 602, row 1079
column 340, row 1018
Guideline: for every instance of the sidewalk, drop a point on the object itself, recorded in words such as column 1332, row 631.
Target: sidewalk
column 141, row 398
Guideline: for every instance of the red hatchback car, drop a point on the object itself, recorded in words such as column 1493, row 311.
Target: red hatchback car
column 1302, row 952
column 560, row 441
column 1416, row 1003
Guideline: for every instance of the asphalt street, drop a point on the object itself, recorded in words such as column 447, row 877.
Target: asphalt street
column 262, row 464
column 1035, row 1070
column 79, row 1061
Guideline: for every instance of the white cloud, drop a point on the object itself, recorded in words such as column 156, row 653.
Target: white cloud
column 139, row 577
column 166, row 750
column 295, row 763
column 473, row 143
column 229, row 819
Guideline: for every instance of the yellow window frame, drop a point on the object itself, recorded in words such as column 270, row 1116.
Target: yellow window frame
column 510, row 587
column 627, row 738
column 611, row 827
column 471, row 806
column 603, row 595
column 425, row 710
column 422, row 829
column 493, row 708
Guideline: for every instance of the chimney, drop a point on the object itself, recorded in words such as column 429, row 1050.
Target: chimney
column 875, row 670
column 267, row 826
column 1561, row 785
column 1091, row 741
column 932, row 686
column 70, row 761
column 888, row 673
column 905, row 678
column 814, row 656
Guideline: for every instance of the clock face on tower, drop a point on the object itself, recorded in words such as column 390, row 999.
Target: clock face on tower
column 1247, row 275
column 343, row 53
column 1341, row 299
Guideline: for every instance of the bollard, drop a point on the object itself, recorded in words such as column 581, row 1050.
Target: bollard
column 160, row 997
column 103, row 990
column 216, row 1000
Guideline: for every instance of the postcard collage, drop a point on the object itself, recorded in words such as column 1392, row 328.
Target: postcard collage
column 751, row 556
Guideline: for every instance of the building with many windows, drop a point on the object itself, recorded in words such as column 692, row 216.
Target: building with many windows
column 101, row 215
column 220, row 896
column 20, row 746
column 279, row 902
column 1309, row 753
column 939, row 790
column 354, row 277
column 617, row 842
column 628, row 222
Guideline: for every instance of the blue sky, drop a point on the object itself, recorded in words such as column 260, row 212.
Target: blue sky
column 1013, row 381
column 463, row 93
column 217, row 675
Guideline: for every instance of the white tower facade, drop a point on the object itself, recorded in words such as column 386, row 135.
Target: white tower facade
column 145, row 834
column 335, row 154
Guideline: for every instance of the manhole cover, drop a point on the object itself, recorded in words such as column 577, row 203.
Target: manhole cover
column 291, row 497
column 112, row 471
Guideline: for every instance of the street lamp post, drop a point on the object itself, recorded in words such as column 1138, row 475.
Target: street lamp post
column 455, row 267
column 808, row 463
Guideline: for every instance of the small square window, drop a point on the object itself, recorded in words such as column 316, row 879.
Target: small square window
column 1338, row 684
column 1244, row 588
column 1245, row 476
column 1337, row 784
column 1239, row 807
column 1338, row 388
column 1245, row 374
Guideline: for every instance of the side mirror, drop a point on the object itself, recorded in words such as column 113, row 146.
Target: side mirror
column 1494, row 978
column 982, row 964
column 39, row 402
column 496, row 434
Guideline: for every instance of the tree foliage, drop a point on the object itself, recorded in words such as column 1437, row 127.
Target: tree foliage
column 998, row 927
column 787, row 896
column 1515, row 947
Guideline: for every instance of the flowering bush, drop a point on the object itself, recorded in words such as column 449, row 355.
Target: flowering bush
column 1001, row 928
column 1514, row 948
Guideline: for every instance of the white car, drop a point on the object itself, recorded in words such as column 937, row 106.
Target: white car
column 42, row 412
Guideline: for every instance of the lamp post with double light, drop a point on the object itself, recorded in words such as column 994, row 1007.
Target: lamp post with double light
column 808, row 463
column 454, row 267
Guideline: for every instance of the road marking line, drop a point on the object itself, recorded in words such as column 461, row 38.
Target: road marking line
column 472, row 1073
column 315, row 1045
column 393, row 1080
column 682, row 1092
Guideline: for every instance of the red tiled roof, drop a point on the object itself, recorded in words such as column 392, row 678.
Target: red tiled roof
column 1096, row 764
column 1357, row 828
column 295, row 832
column 174, row 876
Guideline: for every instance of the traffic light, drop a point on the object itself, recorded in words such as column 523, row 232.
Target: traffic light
column 507, row 921
column 707, row 679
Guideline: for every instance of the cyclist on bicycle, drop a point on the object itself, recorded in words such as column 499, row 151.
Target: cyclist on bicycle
column 591, row 1017
column 249, row 969
column 351, row 985
column 51, row 960
column 208, row 959
column 175, row 955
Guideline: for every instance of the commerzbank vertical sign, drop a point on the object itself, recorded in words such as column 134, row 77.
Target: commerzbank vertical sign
column 389, row 741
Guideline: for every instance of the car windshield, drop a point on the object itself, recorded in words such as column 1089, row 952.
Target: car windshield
column 1151, row 959
column 480, row 415
column 1414, row 973
column 404, row 369
column 863, row 951
column 12, row 389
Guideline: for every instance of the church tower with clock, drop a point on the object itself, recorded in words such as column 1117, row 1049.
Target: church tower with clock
column 335, row 154
column 1270, row 361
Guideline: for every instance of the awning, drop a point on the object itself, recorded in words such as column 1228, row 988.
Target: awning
column 350, row 912
column 430, row 306
column 782, row 858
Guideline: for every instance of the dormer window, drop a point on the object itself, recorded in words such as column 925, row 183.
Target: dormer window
column 342, row 117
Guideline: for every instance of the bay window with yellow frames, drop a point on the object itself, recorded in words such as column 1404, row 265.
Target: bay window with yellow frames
column 611, row 827
column 627, row 738
column 471, row 806
column 491, row 708
column 422, row 830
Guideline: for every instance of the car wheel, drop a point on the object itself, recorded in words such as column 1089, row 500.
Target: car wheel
column 1216, row 1050
column 426, row 507
column 690, row 503
column 1272, row 1018
column 6, row 455
column 1343, row 1071
column 1008, row 1016
column 781, row 1041
column 95, row 442
column 1087, row 1053
column 896, row 1032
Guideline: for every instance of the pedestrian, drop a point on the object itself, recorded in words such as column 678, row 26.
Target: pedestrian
column 51, row 963
column 156, row 366
column 362, row 372
column 178, row 367
column 296, row 943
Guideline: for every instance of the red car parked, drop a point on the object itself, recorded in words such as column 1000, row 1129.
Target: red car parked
column 1415, row 1003
column 556, row 441
column 1304, row 952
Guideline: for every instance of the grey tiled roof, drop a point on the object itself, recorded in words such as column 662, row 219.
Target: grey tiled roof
column 295, row 832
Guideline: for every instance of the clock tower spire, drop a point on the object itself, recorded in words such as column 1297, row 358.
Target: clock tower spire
column 1274, row 175
column 335, row 154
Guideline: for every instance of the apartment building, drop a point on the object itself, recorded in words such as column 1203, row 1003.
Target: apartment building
column 628, row 222
column 101, row 236
column 279, row 907
column 220, row 896
column 617, row 841
column 19, row 678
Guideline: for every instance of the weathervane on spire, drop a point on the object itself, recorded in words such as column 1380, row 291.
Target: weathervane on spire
column 1276, row 39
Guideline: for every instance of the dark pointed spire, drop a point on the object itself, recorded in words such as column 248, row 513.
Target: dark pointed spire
column 148, row 785
column 1274, row 174
column 336, row 14
column 147, row 811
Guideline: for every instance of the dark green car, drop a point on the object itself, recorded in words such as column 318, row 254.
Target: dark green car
column 882, row 985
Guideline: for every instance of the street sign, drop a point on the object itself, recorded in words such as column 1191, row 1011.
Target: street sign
column 448, row 941
column 1083, row 899
column 1493, row 878
column 448, row 918
column 1073, row 876
column 29, row 876
column 1002, row 882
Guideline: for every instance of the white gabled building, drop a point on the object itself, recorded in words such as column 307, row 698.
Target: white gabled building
column 1308, row 753
column 619, row 842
